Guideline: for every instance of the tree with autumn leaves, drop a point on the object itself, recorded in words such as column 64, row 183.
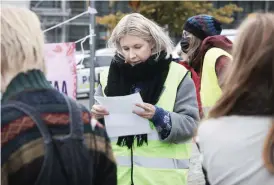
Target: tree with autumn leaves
column 172, row 14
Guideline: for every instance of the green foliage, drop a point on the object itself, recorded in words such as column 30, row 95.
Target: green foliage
column 173, row 13
column 110, row 20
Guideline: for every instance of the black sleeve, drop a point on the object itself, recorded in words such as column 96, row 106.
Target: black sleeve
column 106, row 169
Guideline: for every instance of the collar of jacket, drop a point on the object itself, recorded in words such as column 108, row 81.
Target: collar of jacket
column 31, row 80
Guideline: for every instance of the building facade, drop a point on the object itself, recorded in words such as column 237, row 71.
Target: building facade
column 54, row 12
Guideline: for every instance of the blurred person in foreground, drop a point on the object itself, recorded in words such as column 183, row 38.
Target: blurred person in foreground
column 207, row 57
column 237, row 142
column 143, row 64
column 46, row 138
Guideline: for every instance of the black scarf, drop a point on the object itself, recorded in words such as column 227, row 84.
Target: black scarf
column 123, row 77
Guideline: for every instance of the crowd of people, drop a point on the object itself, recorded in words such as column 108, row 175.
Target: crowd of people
column 220, row 99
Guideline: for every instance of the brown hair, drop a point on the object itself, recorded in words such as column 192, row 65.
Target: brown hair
column 249, row 88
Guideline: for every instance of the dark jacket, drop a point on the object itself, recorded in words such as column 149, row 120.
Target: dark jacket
column 22, row 147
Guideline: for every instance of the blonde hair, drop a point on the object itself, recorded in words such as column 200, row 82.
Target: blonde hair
column 22, row 42
column 136, row 24
column 250, row 82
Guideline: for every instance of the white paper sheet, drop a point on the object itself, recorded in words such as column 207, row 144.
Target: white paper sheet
column 121, row 121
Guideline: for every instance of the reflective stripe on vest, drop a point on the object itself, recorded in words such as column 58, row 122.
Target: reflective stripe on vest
column 153, row 136
column 161, row 163
column 157, row 159
column 210, row 90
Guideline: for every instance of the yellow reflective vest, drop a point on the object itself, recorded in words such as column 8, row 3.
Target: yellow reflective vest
column 157, row 163
column 210, row 90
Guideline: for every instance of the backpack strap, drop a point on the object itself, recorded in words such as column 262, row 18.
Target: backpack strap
column 75, row 117
column 34, row 115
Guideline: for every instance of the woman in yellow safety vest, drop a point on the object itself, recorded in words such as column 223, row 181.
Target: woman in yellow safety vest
column 208, row 54
column 143, row 64
column 207, row 57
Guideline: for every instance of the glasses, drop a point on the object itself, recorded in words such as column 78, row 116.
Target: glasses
column 185, row 34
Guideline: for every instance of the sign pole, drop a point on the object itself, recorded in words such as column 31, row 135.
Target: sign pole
column 92, row 56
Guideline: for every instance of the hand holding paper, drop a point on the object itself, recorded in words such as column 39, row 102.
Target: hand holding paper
column 121, row 120
column 98, row 111
column 147, row 112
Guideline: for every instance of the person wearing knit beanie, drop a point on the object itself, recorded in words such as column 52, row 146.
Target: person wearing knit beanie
column 203, row 26
column 201, row 33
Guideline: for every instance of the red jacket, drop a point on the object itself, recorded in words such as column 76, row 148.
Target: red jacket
column 197, row 83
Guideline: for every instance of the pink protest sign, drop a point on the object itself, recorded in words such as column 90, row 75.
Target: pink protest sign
column 61, row 67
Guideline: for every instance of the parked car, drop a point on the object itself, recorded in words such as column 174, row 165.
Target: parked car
column 102, row 60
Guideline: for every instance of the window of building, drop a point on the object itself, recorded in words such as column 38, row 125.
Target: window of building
column 102, row 7
column 123, row 7
column 77, row 32
column 45, row 4
column 270, row 6
column 78, row 6
column 53, row 36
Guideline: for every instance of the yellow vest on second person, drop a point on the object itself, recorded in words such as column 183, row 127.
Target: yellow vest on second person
column 157, row 163
column 210, row 89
